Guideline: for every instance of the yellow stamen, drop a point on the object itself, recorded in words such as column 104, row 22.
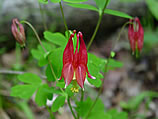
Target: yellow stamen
column 75, row 89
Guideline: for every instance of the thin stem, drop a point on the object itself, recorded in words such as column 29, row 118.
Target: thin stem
column 62, row 12
column 36, row 34
column 106, row 69
column 43, row 18
column 97, row 26
column 49, row 61
column 50, row 113
column 68, row 100
column 100, row 90
column 119, row 35
column 82, row 95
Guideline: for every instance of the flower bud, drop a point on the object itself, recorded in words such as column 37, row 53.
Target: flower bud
column 18, row 32
column 136, row 35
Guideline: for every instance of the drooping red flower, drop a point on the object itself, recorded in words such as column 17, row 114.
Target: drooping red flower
column 75, row 63
column 18, row 32
column 136, row 34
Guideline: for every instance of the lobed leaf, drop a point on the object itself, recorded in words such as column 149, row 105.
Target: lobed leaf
column 96, row 113
column 117, row 115
column 56, row 60
column 55, row 38
column 59, row 102
column 30, row 78
column 42, row 95
column 23, row 91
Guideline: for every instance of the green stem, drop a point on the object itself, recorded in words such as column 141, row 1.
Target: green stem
column 50, row 113
column 36, row 34
column 119, row 35
column 68, row 100
column 106, row 69
column 62, row 12
column 97, row 26
column 49, row 61
column 82, row 95
column 100, row 90
column 43, row 18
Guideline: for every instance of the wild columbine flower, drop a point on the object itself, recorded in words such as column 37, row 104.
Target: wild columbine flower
column 136, row 35
column 75, row 63
column 18, row 32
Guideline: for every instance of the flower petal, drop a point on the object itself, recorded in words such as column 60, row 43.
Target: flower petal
column 67, row 73
column 81, row 75
column 82, row 51
column 140, row 35
column 131, row 36
column 68, row 52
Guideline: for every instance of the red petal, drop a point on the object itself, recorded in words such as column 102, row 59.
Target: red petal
column 68, row 52
column 81, row 75
column 140, row 35
column 76, row 56
column 68, row 73
column 82, row 51
column 132, row 36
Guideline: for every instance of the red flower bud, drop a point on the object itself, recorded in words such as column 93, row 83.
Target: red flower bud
column 18, row 32
column 135, row 34
column 75, row 63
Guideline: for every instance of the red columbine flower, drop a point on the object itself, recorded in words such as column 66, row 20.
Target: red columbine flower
column 18, row 32
column 75, row 63
column 135, row 34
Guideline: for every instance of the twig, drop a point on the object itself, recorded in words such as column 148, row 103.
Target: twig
column 18, row 72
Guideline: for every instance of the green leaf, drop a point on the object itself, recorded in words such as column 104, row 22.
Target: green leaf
column 113, row 64
column 75, row 1
column 49, row 74
column 94, row 71
column 117, row 115
column 55, row 1
column 56, row 38
column 95, row 65
column 68, row 90
column 30, row 78
column 100, row 4
column 97, row 111
column 26, row 91
column 23, row 91
column 153, row 7
column 60, row 84
column 43, row 1
column 56, row 59
column 134, row 103
column 83, row 6
column 42, row 95
column 117, row 13
column 59, row 102
column 39, row 53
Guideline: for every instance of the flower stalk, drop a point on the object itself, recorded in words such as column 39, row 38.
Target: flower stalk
column 98, row 24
